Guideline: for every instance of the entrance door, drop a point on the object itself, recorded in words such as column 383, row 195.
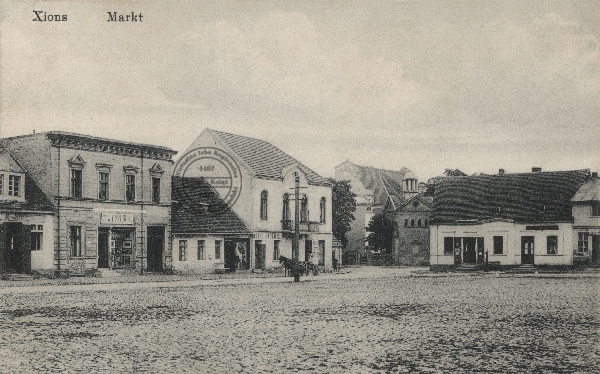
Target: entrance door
column 231, row 256
column 527, row 249
column 260, row 255
column 470, row 251
column 17, row 252
column 103, row 247
column 307, row 250
column 156, row 243
column 596, row 248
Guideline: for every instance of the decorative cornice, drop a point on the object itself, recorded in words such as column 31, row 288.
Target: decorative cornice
column 92, row 144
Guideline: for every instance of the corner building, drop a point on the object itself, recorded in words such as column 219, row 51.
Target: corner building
column 265, row 198
column 111, row 200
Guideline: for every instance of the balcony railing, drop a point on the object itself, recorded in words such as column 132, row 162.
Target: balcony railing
column 288, row 225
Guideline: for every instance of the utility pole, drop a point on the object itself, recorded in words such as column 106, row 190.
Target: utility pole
column 296, row 242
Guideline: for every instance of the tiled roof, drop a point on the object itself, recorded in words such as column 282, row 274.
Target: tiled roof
column 35, row 200
column 265, row 159
column 524, row 197
column 590, row 191
column 198, row 209
column 382, row 182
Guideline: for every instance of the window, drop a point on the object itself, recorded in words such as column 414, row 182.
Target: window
column 412, row 223
column 552, row 244
column 286, row 207
column 276, row 250
column 1, row 184
column 183, row 250
column 36, row 237
column 448, row 246
column 75, row 236
column 426, row 222
column 14, row 184
column 156, row 190
column 102, row 186
column 130, row 187
column 304, row 209
column 406, row 223
column 419, row 223
column 322, row 216
column 596, row 208
column 201, row 250
column 498, row 245
column 264, row 196
column 582, row 242
column 76, row 183
column 217, row 249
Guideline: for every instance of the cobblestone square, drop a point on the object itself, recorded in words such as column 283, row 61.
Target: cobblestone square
column 323, row 324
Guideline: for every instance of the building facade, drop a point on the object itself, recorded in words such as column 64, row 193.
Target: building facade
column 586, row 222
column 111, row 200
column 374, row 189
column 411, row 233
column 507, row 219
column 265, row 197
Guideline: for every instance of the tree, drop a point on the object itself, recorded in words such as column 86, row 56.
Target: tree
column 343, row 205
column 381, row 235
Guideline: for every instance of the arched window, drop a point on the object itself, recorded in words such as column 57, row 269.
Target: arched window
column 426, row 222
column 286, row 207
column 419, row 223
column 304, row 209
column 412, row 223
column 322, row 216
column 264, row 196
column 406, row 222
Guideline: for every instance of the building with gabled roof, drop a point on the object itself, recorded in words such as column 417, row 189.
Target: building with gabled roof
column 411, row 230
column 257, row 180
column 374, row 189
column 586, row 222
column 508, row 219
column 207, row 233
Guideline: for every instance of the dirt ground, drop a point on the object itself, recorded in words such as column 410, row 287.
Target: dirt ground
column 377, row 323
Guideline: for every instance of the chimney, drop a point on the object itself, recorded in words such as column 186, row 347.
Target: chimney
column 536, row 170
column 595, row 174
column 500, row 171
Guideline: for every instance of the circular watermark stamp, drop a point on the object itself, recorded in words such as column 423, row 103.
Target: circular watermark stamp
column 216, row 167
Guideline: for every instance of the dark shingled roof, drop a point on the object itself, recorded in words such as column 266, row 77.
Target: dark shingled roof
column 265, row 159
column 35, row 200
column 524, row 197
column 198, row 209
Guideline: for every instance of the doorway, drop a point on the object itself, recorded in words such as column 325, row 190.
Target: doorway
column 307, row 250
column 470, row 250
column 260, row 255
column 16, row 254
column 527, row 249
column 103, row 237
column 156, row 244
column 596, row 248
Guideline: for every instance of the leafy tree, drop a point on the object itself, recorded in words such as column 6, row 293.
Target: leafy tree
column 381, row 236
column 343, row 205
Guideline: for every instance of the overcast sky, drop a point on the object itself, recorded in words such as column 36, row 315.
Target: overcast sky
column 474, row 85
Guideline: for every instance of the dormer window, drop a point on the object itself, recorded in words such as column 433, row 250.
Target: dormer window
column 14, row 185
column 596, row 208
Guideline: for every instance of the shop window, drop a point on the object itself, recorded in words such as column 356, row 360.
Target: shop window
column 36, row 237
column 103, row 186
column 264, row 201
column 286, row 207
column 552, row 244
column 14, row 185
column 498, row 245
column 75, row 238
column 448, row 246
column 276, row 254
column 130, row 187
column 217, row 249
column 201, row 250
column 183, row 250
column 156, row 190
column 323, row 211
column 582, row 242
